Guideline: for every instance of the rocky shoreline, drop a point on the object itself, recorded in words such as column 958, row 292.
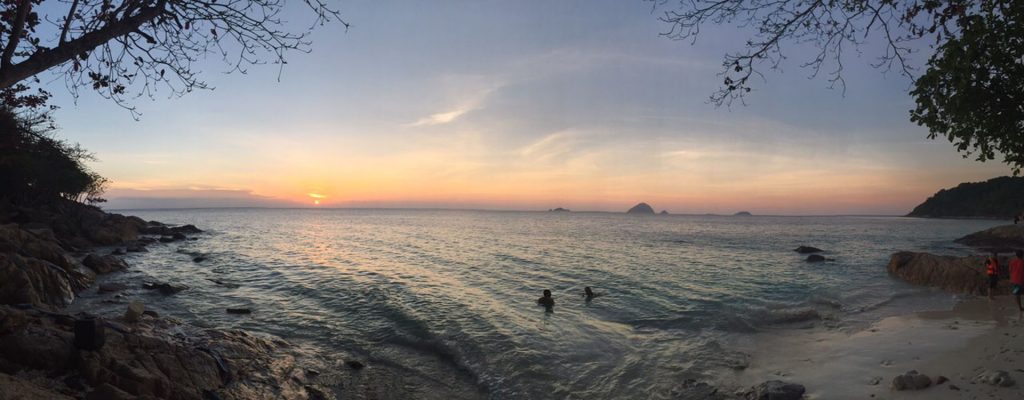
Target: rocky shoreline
column 48, row 256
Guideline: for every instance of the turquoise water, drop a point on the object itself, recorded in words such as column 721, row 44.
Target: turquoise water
column 443, row 302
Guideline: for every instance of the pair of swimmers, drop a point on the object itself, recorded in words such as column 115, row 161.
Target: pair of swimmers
column 547, row 301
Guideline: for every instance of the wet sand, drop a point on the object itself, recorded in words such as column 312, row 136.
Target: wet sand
column 977, row 335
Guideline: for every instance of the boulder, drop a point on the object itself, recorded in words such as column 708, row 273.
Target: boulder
column 134, row 311
column 995, row 378
column 690, row 389
column 356, row 365
column 816, row 258
column 35, row 281
column 954, row 274
column 199, row 259
column 136, row 248
column 110, row 287
column 104, row 264
column 807, row 250
column 775, row 390
column 912, row 380
column 164, row 288
column 1003, row 238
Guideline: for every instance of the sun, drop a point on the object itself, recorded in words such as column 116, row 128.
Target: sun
column 316, row 198
column 316, row 202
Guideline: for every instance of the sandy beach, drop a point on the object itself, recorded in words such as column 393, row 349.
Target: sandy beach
column 959, row 344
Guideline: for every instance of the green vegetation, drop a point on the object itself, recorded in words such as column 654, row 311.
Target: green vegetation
column 971, row 90
column 37, row 168
column 996, row 198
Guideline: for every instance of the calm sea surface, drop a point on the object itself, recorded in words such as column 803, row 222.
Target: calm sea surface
column 444, row 301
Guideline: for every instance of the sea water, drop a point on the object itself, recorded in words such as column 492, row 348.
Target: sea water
column 445, row 301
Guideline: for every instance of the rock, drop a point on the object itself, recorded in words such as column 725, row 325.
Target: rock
column 356, row 365
column 199, row 259
column 151, row 313
column 693, row 390
column 37, row 282
column 1003, row 237
column 239, row 311
column 818, row 258
column 641, row 208
column 743, row 214
column 90, row 333
column 178, row 236
column 107, row 391
column 954, row 274
column 166, row 239
column 313, row 393
column 912, row 380
column 954, row 387
column 164, row 288
column 559, row 209
column 16, row 388
column 134, row 311
column 104, row 264
column 110, row 287
column 940, row 380
column 995, row 378
column 775, row 390
column 663, row 212
column 118, row 252
column 136, row 248
column 807, row 250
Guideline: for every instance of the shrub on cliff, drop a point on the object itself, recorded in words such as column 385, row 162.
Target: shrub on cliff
column 36, row 167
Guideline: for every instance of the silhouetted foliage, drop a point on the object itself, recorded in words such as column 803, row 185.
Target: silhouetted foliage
column 996, row 198
column 34, row 166
column 129, row 48
column 971, row 92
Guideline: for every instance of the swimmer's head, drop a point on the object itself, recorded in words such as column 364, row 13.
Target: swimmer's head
column 547, row 293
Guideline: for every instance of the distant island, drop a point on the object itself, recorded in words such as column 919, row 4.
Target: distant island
column 664, row 212
column 743, row 214
column 1001, row 197
column 642, row 208
column 559, row 209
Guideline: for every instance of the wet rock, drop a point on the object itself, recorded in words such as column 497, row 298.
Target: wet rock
column 995, row 378
column 940, row 380
column 817, row 258
column 38, row 282
column 151, row 313
column 136, row 248
column 166, row 239
column 178, row 236
column 199, row 259
column 912, row 380
column 954, row 274
column 134, row 311
column 690, row 389
column 239, row 311
column 356, row 365
column 164, row 288
column 118, row 252
column 775, row 390
column 104, row 264
column 807, row 250
column 1000, row 237
column 954, row 387
column 110, row 287
column 107, row 391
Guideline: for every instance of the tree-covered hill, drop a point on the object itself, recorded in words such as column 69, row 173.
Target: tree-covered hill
column 1001, row 197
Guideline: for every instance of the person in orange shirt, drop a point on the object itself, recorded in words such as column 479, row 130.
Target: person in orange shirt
column 992, row 271
column 1017, row 277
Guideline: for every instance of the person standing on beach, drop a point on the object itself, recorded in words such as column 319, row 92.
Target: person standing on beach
column 992, row 271
column 1017, row 277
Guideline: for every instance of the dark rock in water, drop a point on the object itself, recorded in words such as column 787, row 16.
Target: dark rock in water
column 199, row 259
column 807, row 250
column 356, row 365
column 136, row 248
column 151, row 313
column 239, row 311
column 559, row 209
column 693, row 390
column 940, row 380
column 164, row 288
column 166, row 239
column 178, row 236
column 104, row 264
column 775, row 390
column 109, row 287
column 816, row 258
column 641, row 208
column 912, row 380
column 1004, row 238
column 663, row 212
column 955, row 274
column 89, row 333
column 117, row 252
column 165, row 230
column 743, row 214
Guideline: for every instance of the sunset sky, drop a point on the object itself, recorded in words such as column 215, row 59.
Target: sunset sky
column 519, row 105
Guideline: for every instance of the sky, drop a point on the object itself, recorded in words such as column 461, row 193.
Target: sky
column 525, row 105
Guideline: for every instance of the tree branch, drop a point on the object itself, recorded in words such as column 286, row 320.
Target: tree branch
column 15, row 36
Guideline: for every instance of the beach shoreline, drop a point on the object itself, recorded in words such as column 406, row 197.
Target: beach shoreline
column 974, row 337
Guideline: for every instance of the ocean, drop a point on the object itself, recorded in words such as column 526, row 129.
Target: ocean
column 442, row 304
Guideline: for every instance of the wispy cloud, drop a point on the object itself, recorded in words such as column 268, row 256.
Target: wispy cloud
column 441, row 118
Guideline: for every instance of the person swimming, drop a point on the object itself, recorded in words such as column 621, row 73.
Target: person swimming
column 589, row 293
column 546, row 300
